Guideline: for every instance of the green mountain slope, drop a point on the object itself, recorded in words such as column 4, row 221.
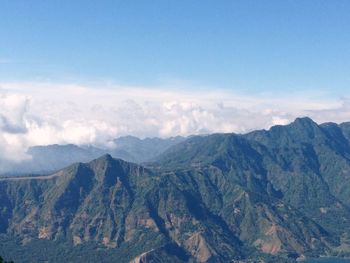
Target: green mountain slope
column 273, row 196
column 310, row 164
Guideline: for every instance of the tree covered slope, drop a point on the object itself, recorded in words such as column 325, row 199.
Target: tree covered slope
column 274, row 196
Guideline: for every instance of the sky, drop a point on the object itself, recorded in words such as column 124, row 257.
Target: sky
column 86, row 72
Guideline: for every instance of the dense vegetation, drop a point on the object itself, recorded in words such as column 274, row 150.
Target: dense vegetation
column 274, row 196
column 4, row 261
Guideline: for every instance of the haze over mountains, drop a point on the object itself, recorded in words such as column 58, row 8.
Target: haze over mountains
column 50, row 158
column 276, row 196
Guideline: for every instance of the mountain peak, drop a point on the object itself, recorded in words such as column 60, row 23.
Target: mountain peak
column 106, row 158
column 304, row 124
column 304, row 121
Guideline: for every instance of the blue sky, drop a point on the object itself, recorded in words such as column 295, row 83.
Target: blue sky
column 247, row 46
column 86, row 72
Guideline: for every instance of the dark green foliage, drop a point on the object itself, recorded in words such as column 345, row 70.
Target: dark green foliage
column 268, row 195
column 4, row 261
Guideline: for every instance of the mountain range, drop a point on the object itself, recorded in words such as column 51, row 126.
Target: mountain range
column 49, row 158
column 277, row 195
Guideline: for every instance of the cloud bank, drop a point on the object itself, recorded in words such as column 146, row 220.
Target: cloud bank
column 46, row 113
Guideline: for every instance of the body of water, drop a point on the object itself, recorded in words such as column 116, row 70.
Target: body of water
column 327, row 260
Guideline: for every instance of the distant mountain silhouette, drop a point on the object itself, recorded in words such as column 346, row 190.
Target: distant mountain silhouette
column 50, row 158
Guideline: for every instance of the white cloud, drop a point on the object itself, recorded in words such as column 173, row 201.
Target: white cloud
column 46, row 113
column 12, row 110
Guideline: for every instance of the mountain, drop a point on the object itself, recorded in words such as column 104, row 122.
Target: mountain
column 143, row 150
column 309, row 164
column 108, row 201
column 50, row 158
column 266, row 196
column 305, row 163
column 54, row 157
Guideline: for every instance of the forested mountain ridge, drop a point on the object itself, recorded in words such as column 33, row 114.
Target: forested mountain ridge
column 274, row 196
